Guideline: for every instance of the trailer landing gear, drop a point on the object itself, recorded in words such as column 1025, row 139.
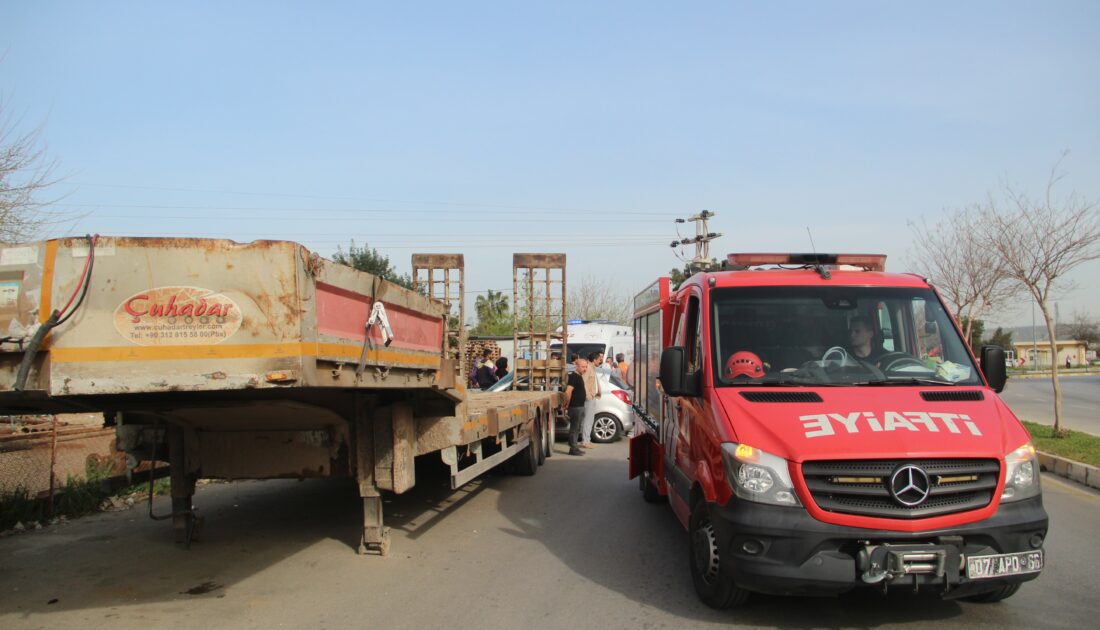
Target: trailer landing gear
column 376, row 537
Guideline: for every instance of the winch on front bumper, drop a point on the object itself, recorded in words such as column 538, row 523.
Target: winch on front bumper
column 783, row 550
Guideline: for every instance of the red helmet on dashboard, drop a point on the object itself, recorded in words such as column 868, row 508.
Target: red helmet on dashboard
column 744, row 363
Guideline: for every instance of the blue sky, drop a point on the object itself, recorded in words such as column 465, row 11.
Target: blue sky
column 489, row 128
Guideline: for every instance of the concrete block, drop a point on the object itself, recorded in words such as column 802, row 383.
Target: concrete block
column 1077, row 471
column 1061, row 467
column 1046, row 461
column 1093, row 477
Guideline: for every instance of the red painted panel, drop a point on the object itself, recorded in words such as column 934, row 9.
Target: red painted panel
column 343, row 313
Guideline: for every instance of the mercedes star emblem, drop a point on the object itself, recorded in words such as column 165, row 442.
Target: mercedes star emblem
column 910, row 486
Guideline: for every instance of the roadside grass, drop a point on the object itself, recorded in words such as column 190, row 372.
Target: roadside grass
column 1078, row 446
column 78, row 497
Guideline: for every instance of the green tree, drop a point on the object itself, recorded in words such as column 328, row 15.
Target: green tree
column 493, row 317
column 372, row 261
column 976, row 328
column 1001, row 338
column 676, row 276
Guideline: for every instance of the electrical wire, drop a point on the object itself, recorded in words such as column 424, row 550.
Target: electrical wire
column 85, row 281
column 55, row 319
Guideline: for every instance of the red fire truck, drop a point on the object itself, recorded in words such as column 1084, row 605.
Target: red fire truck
column 819, row 425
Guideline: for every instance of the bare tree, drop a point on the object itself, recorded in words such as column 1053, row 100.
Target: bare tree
column 24, row 174
column 1083, row 328
column 965, row 273
column 1039, row 241
column 599, row 298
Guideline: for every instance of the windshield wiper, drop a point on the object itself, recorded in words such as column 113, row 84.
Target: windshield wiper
column 909, row 380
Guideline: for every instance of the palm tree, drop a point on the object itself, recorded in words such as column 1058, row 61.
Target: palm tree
column 492, row 306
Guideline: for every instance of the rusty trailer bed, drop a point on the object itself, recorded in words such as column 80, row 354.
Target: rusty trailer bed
column 255, row 360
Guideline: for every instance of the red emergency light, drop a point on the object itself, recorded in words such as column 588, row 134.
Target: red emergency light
column 869, row 262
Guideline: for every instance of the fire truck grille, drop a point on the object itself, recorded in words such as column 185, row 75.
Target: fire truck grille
column 870, row 488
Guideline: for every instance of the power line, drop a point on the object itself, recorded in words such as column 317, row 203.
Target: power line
column 370, row 199
column 492, row 219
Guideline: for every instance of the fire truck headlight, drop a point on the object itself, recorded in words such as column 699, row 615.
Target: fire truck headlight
column 1021, row 474
column 755, row 475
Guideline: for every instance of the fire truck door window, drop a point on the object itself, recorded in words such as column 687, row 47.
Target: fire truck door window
column 929, row 343
column 693, row 343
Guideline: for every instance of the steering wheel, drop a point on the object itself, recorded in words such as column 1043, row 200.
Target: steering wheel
column 836, row 353
column 895, row 360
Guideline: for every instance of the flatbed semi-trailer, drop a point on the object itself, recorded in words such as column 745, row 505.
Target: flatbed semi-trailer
column 258, row 360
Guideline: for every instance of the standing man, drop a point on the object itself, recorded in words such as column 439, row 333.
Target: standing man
column 486, row 371
column 573, row 404
column 592, row 391
column 620, row 360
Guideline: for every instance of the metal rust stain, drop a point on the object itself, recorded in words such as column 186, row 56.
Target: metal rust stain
column 552, row 261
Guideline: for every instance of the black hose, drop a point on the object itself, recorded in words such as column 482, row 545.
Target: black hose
column 32, row 350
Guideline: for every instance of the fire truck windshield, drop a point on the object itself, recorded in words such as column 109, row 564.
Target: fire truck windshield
column 835, row 335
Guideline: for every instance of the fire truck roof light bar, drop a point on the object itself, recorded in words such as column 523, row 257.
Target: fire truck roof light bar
column 870, row 262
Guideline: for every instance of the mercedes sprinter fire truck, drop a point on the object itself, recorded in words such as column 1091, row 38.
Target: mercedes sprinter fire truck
column 819, row 425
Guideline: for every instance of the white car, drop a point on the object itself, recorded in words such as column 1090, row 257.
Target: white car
column 614, row 413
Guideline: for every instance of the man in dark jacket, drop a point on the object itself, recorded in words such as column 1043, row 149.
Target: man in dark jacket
column 486, row 373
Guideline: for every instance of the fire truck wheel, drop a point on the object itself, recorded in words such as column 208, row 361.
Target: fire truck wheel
column 992, row 597
column 712, row 583
column 649, row 490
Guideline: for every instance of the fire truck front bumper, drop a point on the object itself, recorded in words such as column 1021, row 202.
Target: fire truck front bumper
column 784, row 551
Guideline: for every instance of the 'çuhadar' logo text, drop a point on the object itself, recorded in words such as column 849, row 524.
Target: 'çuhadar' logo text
column 175, row 316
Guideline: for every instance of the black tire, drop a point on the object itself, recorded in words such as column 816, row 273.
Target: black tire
column 540, row 449
column 551, row 436
column 606, row 429
column 992, row 597
column 526, row 462
column 649, row 491
column 708, row 573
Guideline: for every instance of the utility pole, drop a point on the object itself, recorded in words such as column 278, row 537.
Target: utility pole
column 703, row 236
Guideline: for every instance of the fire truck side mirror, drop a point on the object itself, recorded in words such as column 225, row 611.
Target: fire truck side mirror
column 993, row 366
column 673, row 379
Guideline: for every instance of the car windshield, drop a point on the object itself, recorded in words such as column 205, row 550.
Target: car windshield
column 836, row 336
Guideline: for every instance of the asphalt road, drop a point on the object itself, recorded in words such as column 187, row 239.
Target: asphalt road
column 573, row 547
column 1033, row 399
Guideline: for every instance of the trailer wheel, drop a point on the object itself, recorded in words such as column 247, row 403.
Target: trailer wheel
column 526, row 462
column 540, row 450
column 551, row 435
column 993, row 597
column 712, row 583
column 649, row 490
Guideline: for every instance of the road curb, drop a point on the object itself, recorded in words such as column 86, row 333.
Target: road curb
column 1047, row 374
column 1081, row 473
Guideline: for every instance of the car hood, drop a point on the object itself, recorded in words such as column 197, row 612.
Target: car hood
column 871, row 422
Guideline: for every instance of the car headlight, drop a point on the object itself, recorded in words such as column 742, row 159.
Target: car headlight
column 1021, row 474
column 758, row 476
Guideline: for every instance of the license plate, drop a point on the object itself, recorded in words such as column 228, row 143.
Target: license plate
column 1000, row 565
